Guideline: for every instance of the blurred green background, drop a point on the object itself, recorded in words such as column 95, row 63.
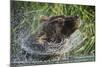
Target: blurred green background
column 20, row 11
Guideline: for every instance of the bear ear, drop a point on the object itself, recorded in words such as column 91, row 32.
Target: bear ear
column 43, row 18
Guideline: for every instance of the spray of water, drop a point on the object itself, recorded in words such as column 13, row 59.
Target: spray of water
column 24, row 39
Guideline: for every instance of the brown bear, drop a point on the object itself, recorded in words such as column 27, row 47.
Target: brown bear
column 50, row 40
column 57, row 28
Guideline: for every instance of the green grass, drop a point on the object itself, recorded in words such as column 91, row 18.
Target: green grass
column 33, row 10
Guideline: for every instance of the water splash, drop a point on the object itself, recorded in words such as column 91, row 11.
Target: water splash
column 22, row 36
